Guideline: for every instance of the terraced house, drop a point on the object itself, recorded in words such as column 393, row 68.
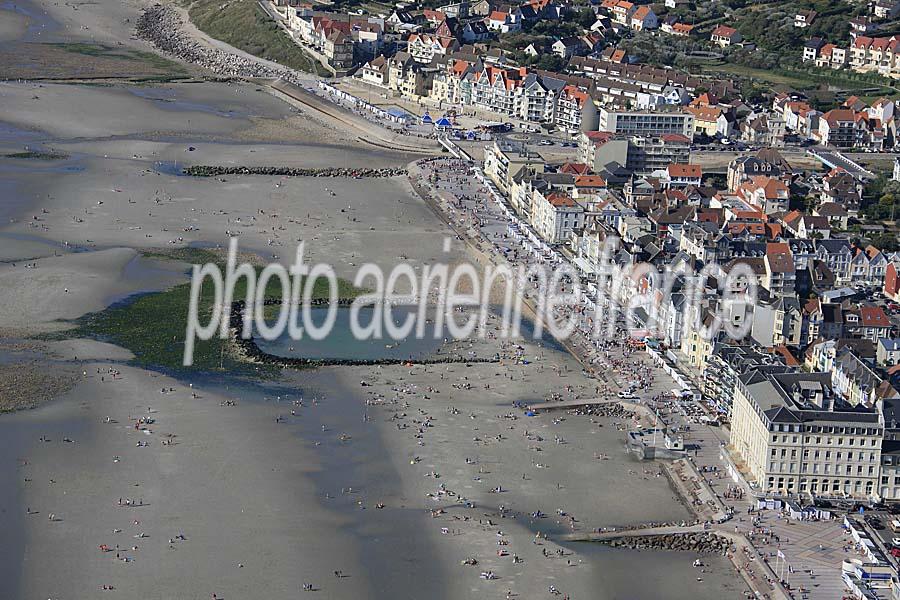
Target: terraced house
column 424, row 47
column 876, row 54
column 514, row 92
column 846, row 128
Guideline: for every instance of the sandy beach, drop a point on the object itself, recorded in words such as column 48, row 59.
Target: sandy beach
column 182, row 485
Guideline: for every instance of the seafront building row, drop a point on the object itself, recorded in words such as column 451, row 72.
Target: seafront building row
column 603, row 97
column 811, row 391
column 442, row 59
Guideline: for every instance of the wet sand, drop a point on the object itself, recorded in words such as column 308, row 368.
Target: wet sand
column 12, row 25
column 236, row 501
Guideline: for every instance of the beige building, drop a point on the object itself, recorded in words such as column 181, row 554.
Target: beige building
column 791, row 434
column 503, row 160
column 696, row 348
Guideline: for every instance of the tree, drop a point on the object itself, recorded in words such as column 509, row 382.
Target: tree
column 886, row 242
column 550, row 62
column 585, row 17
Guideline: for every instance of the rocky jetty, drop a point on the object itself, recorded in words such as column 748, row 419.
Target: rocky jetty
column 613, row 410
column 703, row 543
column 359, row 173
column 162, row 26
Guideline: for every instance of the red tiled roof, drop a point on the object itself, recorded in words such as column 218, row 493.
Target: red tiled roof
column 560, row 199
column 836, row 115
column 598, row 138
column 873, row 316
column 685, row 170
column 590, row 181
column 574, row 168
column 778, row 257
column 871, row 251
column 789, row 359
column 641, row 12
column 724, row 31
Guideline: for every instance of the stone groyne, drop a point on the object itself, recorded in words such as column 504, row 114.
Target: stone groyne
column 215, row 171
column 703, row 543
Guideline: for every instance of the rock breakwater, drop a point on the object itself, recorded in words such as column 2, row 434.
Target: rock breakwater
column 215, row 171
column 162, row 26
column 703, row 543
column 612, row 410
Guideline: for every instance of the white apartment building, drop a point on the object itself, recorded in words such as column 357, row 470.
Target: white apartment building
column 793, row 434
column 555, row 216
column 647, row 123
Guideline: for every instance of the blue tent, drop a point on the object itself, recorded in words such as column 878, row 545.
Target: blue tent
column 470, row 135
column 443, row 123
column 426, row 118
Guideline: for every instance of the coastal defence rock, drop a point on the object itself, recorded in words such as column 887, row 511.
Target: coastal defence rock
column 613, row 410
column 702, row 543
column 162, row 26
column 359, row 173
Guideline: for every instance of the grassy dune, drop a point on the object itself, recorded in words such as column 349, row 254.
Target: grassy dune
column 245, row 25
